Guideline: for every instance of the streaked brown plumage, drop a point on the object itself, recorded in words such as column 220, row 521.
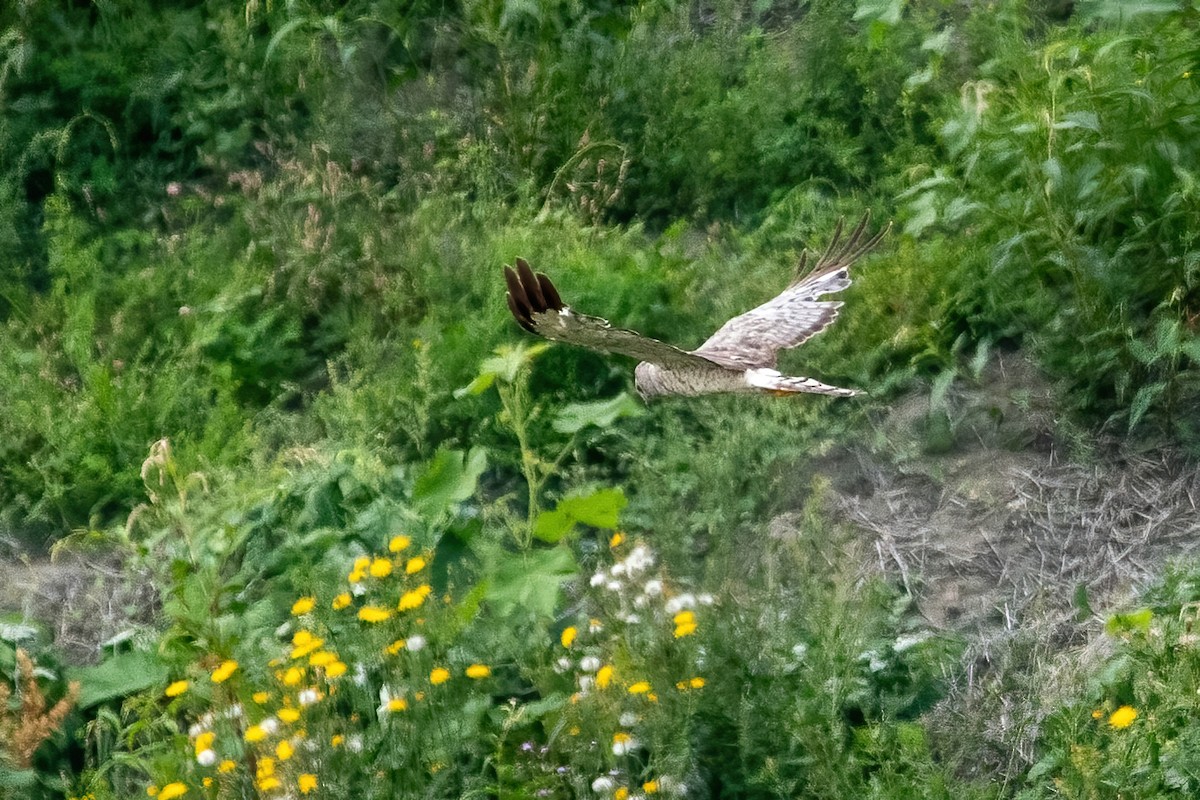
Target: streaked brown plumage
column 739, row 357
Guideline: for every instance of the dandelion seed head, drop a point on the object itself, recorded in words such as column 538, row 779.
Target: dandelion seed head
column 589, row 663
column 206, row 758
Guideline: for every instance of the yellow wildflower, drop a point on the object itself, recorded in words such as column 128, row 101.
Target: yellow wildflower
column 177, row 688
column 284, row 750
column 439, row 675
column 686, row 629
column 414, row 599
column 337, row 740
column 568, row 635
column 1097, row 714
column 303, row 606
column 173, row 790
column 289, row 715
column 293, row 676
column 650, row 787
column 621, row 794
column 1123, row 717
column 641, row 687
column 399, row 543
column 306, row 782
column 395, row 647
column 373, row 614
column 322, row 658
column 266, row 766
column 381, row 568
column 268, row 783
column 302, row 637
column 478, row 671
column 341, row 601
column 204, row 741
column 207, row 782
column 414, row 565
column 696, row 683
column 397, row 704
column 684, row 618
column 255, row 733
column 604, row 676
column 226, row 766
column 222, row 673
column 616, row 540
column 336, row 670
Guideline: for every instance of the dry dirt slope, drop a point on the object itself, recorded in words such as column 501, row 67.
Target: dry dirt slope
column 999, row 537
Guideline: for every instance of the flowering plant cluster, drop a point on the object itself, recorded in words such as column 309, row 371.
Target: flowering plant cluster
column 636, row 671
column 371, row 667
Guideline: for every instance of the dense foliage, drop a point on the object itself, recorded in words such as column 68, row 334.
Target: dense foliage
column 260, row 243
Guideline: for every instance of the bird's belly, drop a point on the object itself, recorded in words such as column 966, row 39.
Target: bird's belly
column 653, row 380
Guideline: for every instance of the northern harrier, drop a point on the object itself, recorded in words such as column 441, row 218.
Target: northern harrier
column 740, row 357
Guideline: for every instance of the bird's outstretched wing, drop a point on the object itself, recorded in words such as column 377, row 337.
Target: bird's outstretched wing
column 538, row 308
column 796, row 315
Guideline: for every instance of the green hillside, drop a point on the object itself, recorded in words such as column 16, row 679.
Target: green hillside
column 343, row 529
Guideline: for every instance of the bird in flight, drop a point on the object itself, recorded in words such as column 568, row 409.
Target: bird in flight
column 739, row 357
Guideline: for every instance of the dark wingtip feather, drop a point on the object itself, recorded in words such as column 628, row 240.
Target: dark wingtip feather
column 842, row 253
column 549, row 292
column 529, row 283
column 516, row 292
column 522, row 319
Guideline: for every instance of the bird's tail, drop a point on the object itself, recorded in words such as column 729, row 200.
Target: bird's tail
column 771, row 381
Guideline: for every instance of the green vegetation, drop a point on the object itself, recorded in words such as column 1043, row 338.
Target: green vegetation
column 253, row 342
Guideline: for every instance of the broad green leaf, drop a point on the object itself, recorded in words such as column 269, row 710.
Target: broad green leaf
column 508, row 361
column 887, row 11
column 17, row 779
column 119, row 676
column 601, row 413
column 531, row 581
column 938, row 42
column 481, row 384
column 451, row 477
column 1134, row 621
column 1142, row 401
column 600, row 509
column 540, row 708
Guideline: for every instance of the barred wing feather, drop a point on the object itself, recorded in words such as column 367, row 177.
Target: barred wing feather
column 537, row 306
column 795, row 315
